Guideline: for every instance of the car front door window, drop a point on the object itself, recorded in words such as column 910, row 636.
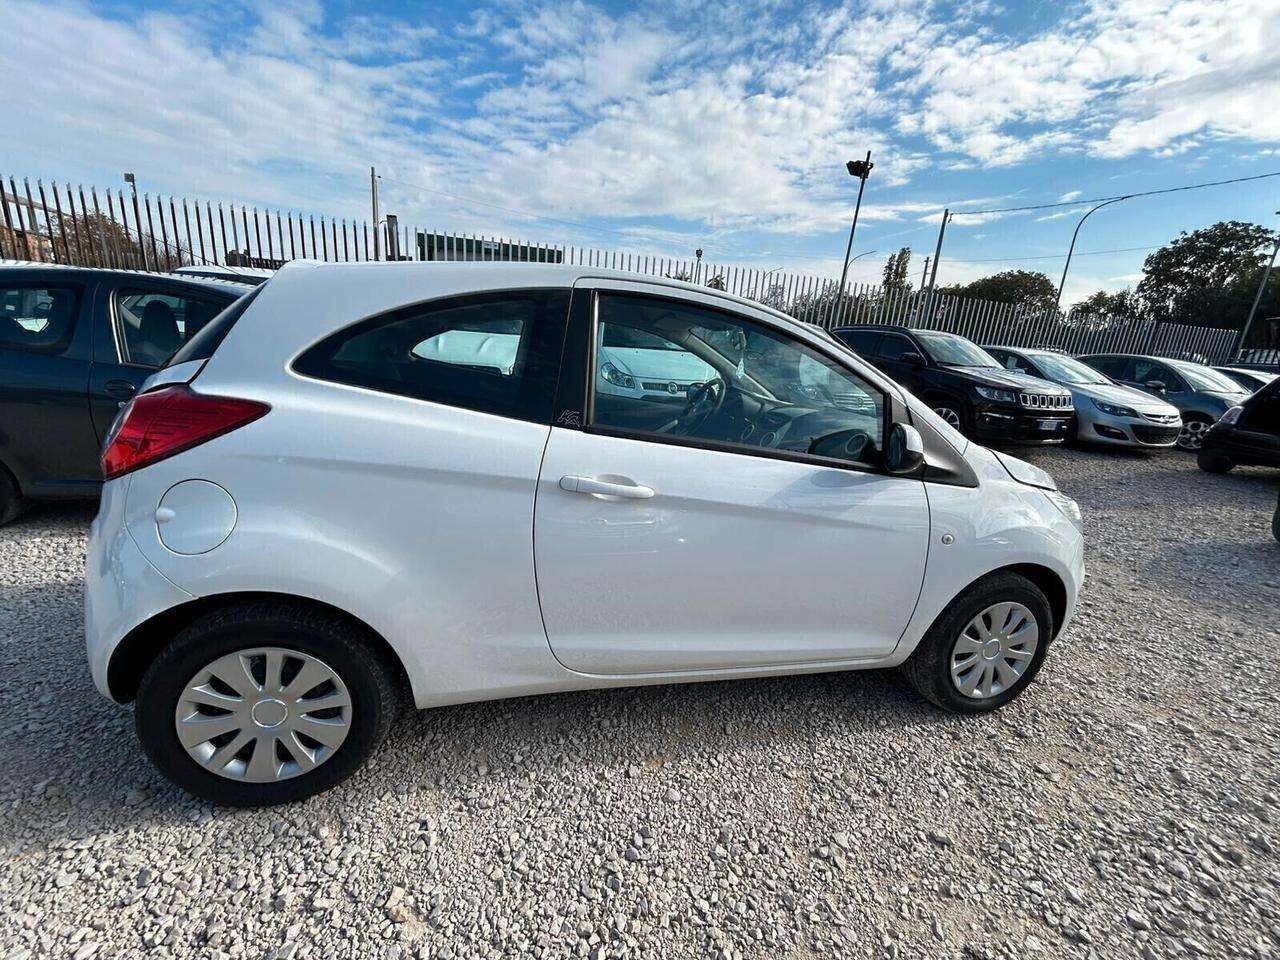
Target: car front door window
column 673, row 371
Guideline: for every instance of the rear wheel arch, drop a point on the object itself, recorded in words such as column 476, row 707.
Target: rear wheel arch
column 141, row 645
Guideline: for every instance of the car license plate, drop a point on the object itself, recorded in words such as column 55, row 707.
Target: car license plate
column 1051, row 424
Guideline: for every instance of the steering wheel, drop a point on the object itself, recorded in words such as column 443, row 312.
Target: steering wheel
column 705, row 400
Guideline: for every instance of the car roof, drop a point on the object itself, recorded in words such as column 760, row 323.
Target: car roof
column 321, row 298
column 225, row 286
column 498, row 274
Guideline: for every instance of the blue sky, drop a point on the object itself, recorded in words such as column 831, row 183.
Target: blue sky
column 660, row 127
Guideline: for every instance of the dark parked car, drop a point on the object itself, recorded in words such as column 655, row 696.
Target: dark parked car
column 75, row 343
column 1200, row 393
column 1247, row 434
column 964, row 384
column 1251, row 380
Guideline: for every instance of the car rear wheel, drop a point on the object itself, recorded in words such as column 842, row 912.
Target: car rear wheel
column 11, row 502
column 985, row 648
column 1192, row 435
column 263, row 703
column 1213, row 462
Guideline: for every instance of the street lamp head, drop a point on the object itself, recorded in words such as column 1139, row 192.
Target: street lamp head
column 698, row 253
column 859, row 168
column 129, row 178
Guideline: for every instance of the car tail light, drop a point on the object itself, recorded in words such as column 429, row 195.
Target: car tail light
column 1232, row 415
column 160, row 423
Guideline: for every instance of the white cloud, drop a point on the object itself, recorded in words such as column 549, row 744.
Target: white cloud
column 717, row 120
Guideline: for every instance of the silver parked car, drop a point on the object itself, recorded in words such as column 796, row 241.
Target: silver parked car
column 1106, row 412
column 1200, row 393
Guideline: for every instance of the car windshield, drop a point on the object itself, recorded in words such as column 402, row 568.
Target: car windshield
column 955, row 351
column 1203, row 378
column 1066, row 369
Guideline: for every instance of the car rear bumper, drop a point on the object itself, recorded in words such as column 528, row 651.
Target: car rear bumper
column 121, row 587
column 1007, row 424
column 1241, row 447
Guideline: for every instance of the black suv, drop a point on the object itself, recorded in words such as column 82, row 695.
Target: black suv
column 75, row 343
column 964, row 384
column 1246, row 435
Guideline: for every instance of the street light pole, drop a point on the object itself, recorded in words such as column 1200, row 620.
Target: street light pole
column 1257, row 297
column 132, row 181
column 1070, row 250
column 860, row 169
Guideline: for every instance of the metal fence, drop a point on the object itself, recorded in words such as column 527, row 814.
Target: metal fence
column 113, row 228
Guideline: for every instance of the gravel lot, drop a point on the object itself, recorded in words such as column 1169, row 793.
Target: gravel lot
column 1128, row 805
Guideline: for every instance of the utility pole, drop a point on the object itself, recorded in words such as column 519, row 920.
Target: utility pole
column 1257, row 298
column 860, row 169
column 924, row 275
column 377, row 220
column 937, row 253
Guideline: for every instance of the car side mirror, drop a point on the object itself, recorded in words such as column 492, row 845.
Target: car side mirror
column 913, row 358
column 1157, row 385
column 904, row 452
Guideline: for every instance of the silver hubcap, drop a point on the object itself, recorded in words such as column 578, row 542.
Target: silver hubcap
column 263, row 714
column 1192, row 434
column 994, row 650
column 949, row 415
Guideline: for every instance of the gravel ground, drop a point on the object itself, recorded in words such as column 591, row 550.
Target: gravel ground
column 1127, row 806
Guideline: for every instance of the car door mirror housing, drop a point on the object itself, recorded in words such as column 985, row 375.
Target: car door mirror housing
column 913, row 358
column 904, row 453
column 1158, row 385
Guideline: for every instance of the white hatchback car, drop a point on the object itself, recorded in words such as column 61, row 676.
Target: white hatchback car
column 373, row 477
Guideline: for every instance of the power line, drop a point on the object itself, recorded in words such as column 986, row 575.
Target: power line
column 1124, row 196
column 1055, row 256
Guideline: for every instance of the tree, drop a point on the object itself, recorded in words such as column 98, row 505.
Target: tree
column 1106, row 311
column 1209, row 277
column 895, row 270
column 1024, row 287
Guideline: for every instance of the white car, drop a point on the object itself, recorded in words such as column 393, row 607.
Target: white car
column 355, row 481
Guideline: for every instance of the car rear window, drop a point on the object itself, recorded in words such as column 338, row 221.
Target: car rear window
column 210, row 336
column 35, row 318
column 496, row 352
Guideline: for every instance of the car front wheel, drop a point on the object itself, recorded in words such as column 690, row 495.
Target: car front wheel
column 1192, row 435
column 263, row 703
column 1213, row 462
column 985, row 648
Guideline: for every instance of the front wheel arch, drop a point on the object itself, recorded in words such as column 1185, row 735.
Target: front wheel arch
column 141, row 645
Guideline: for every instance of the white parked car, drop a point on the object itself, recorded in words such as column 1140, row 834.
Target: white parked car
column 372, row 477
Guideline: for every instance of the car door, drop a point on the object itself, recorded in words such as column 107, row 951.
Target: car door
column 1143, row 374
column 46, row 437
column 891, row 350
column 139, row 322
column 758, row 533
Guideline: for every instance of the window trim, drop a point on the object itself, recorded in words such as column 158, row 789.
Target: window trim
column 64, row 344
column 554, row 350
column 117, row 336
column 591, row 427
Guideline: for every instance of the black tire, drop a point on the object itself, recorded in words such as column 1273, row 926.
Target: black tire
column 960, row 408
column 369, row 680
column 929, row 671
column 11, row 502
column 1213, row 462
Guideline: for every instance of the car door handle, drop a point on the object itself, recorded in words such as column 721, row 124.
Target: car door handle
column 605, row 488
column 121, row 389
